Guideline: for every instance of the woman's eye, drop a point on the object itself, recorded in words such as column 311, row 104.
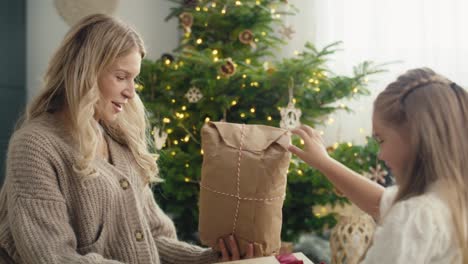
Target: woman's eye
column 120, row 78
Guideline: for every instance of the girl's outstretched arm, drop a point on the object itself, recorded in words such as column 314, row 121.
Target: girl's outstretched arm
column 363, row 192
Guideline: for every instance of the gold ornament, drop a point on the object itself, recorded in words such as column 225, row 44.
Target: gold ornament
column 228, row 68
column 246, row 36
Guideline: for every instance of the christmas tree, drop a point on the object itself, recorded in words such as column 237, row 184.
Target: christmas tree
column 225, row 69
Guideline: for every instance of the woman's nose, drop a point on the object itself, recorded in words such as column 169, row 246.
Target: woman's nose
column 129, row 92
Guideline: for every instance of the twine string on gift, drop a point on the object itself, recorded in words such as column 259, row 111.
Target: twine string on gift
column 238, row 177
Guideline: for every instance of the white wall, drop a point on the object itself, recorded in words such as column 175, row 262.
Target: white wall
column 45, row 30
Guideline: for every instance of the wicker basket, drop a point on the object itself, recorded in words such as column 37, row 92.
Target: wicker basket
column 351, row 237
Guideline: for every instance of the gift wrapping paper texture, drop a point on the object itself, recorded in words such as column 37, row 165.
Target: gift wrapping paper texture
column 243, row 185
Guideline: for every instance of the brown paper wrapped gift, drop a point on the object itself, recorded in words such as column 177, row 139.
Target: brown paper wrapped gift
column 243, row 185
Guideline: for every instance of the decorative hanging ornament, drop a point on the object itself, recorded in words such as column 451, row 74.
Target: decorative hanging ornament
column 186, row 20
column 376, row 174
column 247, row 37
column 290, row 116
column 228, row 68
column 160, row 138
column 287, row 31
column 194, row 95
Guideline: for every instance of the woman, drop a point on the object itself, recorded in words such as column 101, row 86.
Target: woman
column 78, row 169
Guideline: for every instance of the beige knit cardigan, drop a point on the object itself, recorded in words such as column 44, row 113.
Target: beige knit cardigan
column 47, row 215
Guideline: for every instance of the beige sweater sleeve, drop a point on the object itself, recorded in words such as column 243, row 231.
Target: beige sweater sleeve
column 171, row 250
column 36, row 208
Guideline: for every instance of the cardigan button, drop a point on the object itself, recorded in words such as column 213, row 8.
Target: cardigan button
column 124, row 184
column 139, row 236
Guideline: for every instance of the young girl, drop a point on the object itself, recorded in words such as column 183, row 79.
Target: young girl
column 420, row 122
column 78, row 169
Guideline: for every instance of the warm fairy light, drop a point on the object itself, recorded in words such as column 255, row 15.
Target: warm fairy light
column 300, row 173
column 169, row 131
column 252, row 110
column 269, row 118
column 335, row 146
column 176, row 67
column 168, row 87
column 213, row 4
column 173, row 101
column 342, row 105
column 263, row 33
column 243, row 85
column 187, row 138
column 207, row 120
column 278, row 16
column 202, row 152
column 244, row 76
column 187, row 179
column 214, row 52
column 258, row 2
column 273, row 10
column 238, row 3
column 197, row 8
column 256, row 39
column 166, row 120
column 331, row 120
column 302, row 142
column 176, row 142
column 199, row 41
column 138, row 87
column 215, row 59
column 317, row 89
column 187, row 165
column 311, row 80
column 184, row 108
column 167, row 62
column 223, row 11
column 205, row 9
column 355, row 90
column 218, row 77
column 248, row 61
column 350, row 144
column 296, row 52
column 206, row 24
column 294, row 100
column 233, row 103
column 173, row 153
column 242, row 115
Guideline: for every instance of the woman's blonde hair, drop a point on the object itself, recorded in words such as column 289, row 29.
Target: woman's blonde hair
column 71, row 85
column 432, row 112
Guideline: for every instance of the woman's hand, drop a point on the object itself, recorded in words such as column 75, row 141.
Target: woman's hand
column 314, row 152
column 231, row 252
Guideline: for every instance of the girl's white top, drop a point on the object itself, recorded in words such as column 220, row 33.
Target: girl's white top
column 417, row 230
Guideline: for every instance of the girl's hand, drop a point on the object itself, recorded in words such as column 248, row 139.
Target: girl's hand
column 232, row 252
column 314, row 152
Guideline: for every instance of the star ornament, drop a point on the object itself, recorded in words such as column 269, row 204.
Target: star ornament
column 287, row 31
column 290, row 117
column 194, row 95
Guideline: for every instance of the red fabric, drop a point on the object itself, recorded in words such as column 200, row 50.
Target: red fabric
column 288, row 259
